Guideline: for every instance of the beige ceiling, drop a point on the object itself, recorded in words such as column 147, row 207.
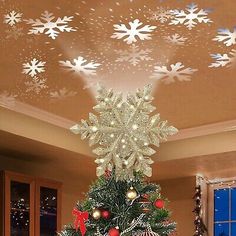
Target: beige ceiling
column 208, row 97
column 218, row 165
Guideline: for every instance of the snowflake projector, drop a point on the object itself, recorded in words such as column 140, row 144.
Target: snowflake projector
column 123, row 132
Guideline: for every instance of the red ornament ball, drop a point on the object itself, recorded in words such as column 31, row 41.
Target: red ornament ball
column 106, row 214
column 159, row 203
column 113, row 232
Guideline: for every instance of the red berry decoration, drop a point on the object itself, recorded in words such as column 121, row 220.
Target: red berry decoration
column 145, row 196
column 106, row 214
column 113, row 232
column 159, row 203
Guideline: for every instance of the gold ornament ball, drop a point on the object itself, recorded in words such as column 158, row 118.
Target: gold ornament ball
column 96, row 214
column 131, row 193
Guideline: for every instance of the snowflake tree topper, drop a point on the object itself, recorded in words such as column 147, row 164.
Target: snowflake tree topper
column 50, row 26
column 123, row 132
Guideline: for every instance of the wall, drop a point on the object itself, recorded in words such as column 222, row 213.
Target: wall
column 73, row 188
column 180, row 192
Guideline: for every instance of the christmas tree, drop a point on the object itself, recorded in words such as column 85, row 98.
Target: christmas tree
column 121, row 201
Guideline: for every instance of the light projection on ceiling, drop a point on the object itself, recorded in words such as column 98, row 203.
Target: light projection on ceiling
column 190, row 17
column 58, row 53
column 135, row 30
column 80, row 66
column 175, row 72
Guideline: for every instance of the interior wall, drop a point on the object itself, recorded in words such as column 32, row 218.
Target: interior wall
column 180, row 192
column 73, row 188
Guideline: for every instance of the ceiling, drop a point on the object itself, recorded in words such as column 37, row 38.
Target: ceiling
column 212, row 166
column 192, row 87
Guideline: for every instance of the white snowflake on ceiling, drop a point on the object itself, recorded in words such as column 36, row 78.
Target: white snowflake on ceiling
column 36, row 85
column 133, row 55
column 7, row 99
column 33, row 67
column 12, row 18
column 175, row 72
column 190, row 17
column 14, row 32
column 175, row 39
column 80, row 66
column 224, row 60
column 136, row 31
column 61, row 94
column 124, row 132
column 226, row 36
column 47, row 24
column 161, row 14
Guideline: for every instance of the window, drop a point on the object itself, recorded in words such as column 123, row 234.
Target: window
column 223, row 206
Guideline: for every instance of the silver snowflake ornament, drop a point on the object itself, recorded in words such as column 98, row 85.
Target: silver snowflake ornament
column 123, row 132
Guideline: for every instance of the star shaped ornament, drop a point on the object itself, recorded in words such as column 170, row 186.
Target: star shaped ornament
column 123, row 132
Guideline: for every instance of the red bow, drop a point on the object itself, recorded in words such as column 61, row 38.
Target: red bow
column 80, row 219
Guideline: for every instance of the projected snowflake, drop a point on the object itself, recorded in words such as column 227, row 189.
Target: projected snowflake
column 50, row 26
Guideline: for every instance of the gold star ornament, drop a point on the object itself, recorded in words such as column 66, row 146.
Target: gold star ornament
column 123, row 132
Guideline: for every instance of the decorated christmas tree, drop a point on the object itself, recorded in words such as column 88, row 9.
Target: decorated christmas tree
column 121, row 201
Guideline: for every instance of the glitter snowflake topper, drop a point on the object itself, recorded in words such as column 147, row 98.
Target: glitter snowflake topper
column 123, row 132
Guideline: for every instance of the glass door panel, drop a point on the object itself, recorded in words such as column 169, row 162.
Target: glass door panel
column 48, row 211
column 19, row 209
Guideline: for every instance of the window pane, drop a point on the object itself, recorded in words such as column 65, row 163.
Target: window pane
column 20, row 208
column 48, row 211
column 233, row 229
column 221, row 200
column 233, row 206
column 221, row 229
